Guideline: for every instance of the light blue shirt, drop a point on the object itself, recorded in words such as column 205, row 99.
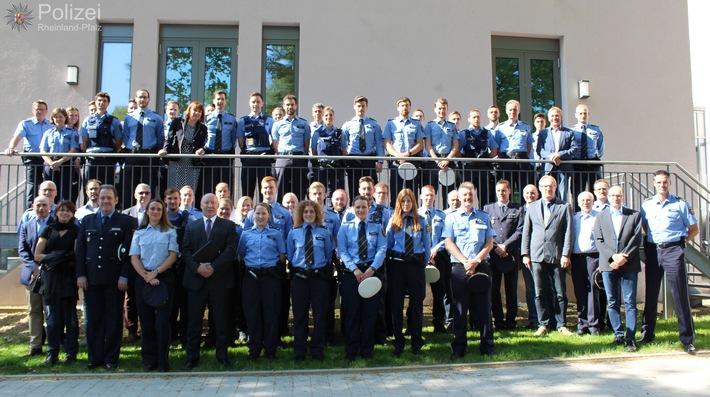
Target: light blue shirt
column 598, row 206
column 89, row 129
column 153, row 245
column 442, row 135
column 291, row 134
column 514, row 138
column 374, row 144
column 32, row 130
column 348, row 241
column 584, row 233
column 281, row 219
column 421, row 237
column 595, row 140
column 469, row 231
column 322, row 246
column 56, row 141
column 616, row 217
column 668, row 221
column 261, row 248
column 436, row 227
column 331, row 220
column 376, row 214
column 229, row 132
column 85, row 210
column 153, row 136
column 403, row 133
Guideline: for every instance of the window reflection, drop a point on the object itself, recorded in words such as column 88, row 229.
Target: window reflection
column 218, row 61
column 178, row 75
column 115, row 66
column 280, row 65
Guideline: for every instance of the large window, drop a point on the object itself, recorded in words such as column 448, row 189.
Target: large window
column 115, row 49
column 196, row 61
column 527, row 70
column 280, row 60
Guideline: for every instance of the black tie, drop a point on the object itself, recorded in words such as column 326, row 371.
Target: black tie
column 363, row 144
column 408, row 239
column 218, row 134
column 585, row 143
column 208, row 229
column 104, row 219
column 309, row 246
column 139, row 130
column 362, row 242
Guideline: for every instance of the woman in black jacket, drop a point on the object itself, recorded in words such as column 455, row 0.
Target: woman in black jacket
column 186, row 136
column 55, row 253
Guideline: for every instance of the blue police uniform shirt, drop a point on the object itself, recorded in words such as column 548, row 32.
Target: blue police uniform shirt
column 469, row 231
column 89, row 129
column 281, row 219
column 595, row 140
column 32, row 131
column 251, row 128
column 376, row 214
column 666, row 222
column 327, row 141
column 403, row 133
column 514, row 137
column 85, row 210
column 261, row 248
column 153, row 245
column 422, row 239
column 598, row 206
column 374, row 144
column 349, row 249
column 291, row 134
column 193, row 213
column 153, row 137
column 471, row 134
column 331, row 220
column 322, row 246
column 229, row 132
column 436, row 227
column 442, row 135
column 60, row 141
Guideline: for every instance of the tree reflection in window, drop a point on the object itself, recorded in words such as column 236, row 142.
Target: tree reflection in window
column 178, row 75
column 218, row 61
column 280, row 74
column 542, row 85
column 507, row 82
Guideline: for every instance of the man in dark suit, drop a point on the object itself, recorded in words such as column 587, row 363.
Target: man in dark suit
column 29, row 234
column 557, row 143
column 546, row 249
column 208, row 281
column 618, row 239
column 102, row 264
column 507, row 219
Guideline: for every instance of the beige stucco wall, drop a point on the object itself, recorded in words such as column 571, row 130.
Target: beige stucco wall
column 635, row 54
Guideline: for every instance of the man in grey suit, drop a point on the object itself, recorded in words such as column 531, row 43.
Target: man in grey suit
column 546, row 248
column 557, row 143
column 618, row 239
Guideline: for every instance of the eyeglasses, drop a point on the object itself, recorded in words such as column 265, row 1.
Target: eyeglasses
column 142, row 193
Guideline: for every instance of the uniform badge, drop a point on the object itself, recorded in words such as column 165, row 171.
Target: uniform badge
column 428, row 228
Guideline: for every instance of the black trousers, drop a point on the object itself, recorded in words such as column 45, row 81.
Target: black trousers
column 253, row 171
column 480, row 301
column 359, row 317
column 584, row 176
column 33, row 177
column 402, row 277
column 550, row 277
column 356, row 170
column 138, row 170
column 100, row 168
column 483, row 179
column 262, row 301
column 397, row 183
column 589, row 311
column 670, row 261
column 309, row 293
column 519, row 175
column 178, row 315
column 155, row 324
column 215, row 170
column 292, row 175
column 510, row 284
column 442, row 315
column 130, row 310
column 104, row 309
column 197, row 301
column 63, row 178
column 333, row 177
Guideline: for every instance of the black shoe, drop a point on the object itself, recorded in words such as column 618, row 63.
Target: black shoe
column 253, row 357
column 645, row 339
column 582, row 331
column 299, row 358
column 150, row 368
column 489, row 353
column 439, row 329
column 164, row 369
column 190, row 364
column 69, row 360
column 51, row 360
column 690, row 349
column 111, row 367
column 224, row 362
column 318, row 357
column 417, row 352
column 456, row 355
column 532, row 326
column 630, row 346
column 33, row 352
column 92, row 365
column 366, row 356
column 270, row 357
column 349, row 358
column 618, row 341
column 397, row 352
column 208, row 344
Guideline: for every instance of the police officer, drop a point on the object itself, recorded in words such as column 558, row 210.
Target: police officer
column 590, row 147
column 261, row 248
column 253, row 136
column 409, row 246
column 59, row 139
column 441, row 139
column 327, row 140
column 515, row 142
column 142, row 133
column 362, row 247
column 507, row 220
column 669, row 223
column 102, row 269
column 363, row 137
column 31, row 130
column 403, row 137
column 440, row 290
column 468, row 237
column 291, row 136
column 479, row 143
column 309, row 248
column 221, row 139
column 101, row 133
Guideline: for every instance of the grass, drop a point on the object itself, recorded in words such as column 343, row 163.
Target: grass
column 510, row 346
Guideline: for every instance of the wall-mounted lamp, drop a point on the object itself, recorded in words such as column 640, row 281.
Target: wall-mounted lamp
column 583, row 87
column 72, row 74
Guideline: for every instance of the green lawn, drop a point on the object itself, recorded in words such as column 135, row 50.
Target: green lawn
column 510, row 346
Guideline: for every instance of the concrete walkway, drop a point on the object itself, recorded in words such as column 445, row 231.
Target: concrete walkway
column 639, row 375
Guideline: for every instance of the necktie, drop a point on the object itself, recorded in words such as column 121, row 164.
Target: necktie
column 363, row 144
column 585, row 143
column 309, row 246
column 218, row 134
column 271, row 217
column 208, row 229
column 428, row 222
column 362, row 242
column 502, row 209
column 408, row 239
column 104, row 219
column 139, row 130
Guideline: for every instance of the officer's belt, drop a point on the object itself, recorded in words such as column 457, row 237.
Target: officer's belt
column 361, row 266
column 518, row 155
column 291, row 153
column 679, row 243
